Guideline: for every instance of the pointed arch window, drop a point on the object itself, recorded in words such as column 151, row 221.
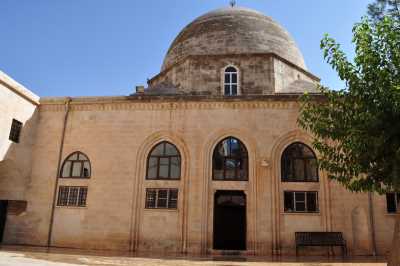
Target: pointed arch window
column 230, row 160
column 299, row 164
column 164, row 162
column 77, row 165
column 231, row 84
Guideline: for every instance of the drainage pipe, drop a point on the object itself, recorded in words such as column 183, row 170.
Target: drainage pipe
column 67, row 108
column 372, row 222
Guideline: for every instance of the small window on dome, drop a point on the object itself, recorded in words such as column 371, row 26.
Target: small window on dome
column 230, row 81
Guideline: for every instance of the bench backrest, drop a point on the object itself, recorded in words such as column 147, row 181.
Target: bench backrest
column 319, row 238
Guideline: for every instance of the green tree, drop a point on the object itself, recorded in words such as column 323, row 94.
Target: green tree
column 357, row 129
column 381, row 8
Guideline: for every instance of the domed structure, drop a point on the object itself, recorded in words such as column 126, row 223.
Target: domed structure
column 233, row 51
column 233, row 30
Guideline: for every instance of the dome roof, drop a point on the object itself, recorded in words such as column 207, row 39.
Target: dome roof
column 233, row 30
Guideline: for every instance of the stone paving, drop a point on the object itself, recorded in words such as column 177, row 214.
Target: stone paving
column 29, row 256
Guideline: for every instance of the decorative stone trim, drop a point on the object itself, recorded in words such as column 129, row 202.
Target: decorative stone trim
column 323, row 184
column 170, row 106
column 140, row 184
column 209, row 186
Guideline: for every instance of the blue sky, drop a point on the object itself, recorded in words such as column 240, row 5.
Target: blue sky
column 107, row 47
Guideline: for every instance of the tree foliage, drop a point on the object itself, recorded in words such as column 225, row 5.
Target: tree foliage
column 381, row 8
column 357, row 129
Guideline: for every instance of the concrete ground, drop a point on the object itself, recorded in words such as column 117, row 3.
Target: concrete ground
column 33, row 256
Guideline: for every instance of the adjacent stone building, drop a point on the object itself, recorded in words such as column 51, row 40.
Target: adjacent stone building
column 207, row 158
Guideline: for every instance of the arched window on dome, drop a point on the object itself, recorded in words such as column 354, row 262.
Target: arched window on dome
column 164, row 162
column 231, row 81
column 230, row 160
column 299, row 164
column 77, row 165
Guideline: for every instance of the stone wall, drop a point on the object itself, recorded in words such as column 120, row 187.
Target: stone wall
column 16, row 102
column 117, row 135
column 258, row 74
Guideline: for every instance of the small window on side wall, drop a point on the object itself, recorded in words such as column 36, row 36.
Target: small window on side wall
column 301, row 201
column 15, row 131
column 77, row 165
column 231, row 83
column 299, row 164
column 72, row 196
column 392, row 202
column 161, row 198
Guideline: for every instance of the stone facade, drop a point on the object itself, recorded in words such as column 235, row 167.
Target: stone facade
column 118, row 133
column 16, row 102
column 258, row 74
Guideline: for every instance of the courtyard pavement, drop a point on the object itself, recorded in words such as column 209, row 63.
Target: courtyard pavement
column 33, row 256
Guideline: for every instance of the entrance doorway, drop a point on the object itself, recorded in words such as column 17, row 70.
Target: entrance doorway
column 3, row 216
column 229, row 220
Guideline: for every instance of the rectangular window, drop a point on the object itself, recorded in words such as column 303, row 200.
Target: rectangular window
column 300, row 201
column 72, row 196
column 15, row 131
column 161, row 198
column 392, row 201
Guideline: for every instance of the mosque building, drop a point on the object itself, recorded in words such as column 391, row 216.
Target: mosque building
column 207, row 159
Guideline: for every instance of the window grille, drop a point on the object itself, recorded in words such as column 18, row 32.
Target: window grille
column 72, row 196
column 301, row 201
column 15, row 131
column 161, row 198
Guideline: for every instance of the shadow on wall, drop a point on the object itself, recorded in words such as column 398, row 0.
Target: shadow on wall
column 362, row 242
column 15, row 172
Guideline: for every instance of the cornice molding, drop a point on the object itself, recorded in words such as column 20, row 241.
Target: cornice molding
column 118, row 106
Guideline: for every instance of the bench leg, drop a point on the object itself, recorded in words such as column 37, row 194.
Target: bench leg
column 344, row 251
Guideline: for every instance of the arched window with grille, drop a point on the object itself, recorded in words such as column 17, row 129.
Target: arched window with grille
column 299, row 164
column 230, row 160
column 231, row 81
column 76, row 165
column 164, row 162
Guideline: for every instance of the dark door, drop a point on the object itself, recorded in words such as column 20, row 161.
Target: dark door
column 229, row 220
column 3, row 216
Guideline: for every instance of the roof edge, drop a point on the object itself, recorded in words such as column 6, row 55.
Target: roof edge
column 18, row 89
column 173, row 98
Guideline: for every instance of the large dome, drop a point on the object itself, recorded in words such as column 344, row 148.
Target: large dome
column 233, row 30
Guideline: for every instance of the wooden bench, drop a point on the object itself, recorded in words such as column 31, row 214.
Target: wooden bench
column 323, row 239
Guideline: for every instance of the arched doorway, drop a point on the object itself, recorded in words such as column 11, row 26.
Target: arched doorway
column 229, row 220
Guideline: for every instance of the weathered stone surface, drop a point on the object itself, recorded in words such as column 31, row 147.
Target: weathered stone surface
column 263, row 52
column 233, row 31
column 258, row 74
